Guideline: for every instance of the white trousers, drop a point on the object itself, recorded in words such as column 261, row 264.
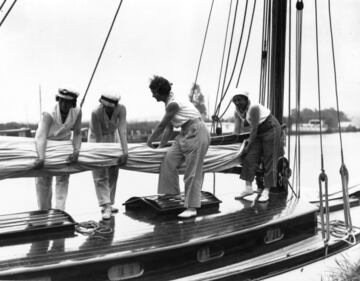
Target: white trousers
column 105, row 180
column 44, row 191
column 190, row 146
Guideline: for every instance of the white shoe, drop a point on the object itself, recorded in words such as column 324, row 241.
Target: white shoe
column 264, row 197
column 106, row 213
column 188, row 213
column 244, row 194
column 114, row 210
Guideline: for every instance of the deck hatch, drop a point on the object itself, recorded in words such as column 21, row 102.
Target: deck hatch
column 22, row 226
column 169, row 203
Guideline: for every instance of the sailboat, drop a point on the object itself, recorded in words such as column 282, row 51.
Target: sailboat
column 229, row 239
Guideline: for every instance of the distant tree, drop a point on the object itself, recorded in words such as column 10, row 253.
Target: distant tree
column 330, row 116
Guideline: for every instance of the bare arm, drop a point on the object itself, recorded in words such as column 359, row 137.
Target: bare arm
column 41, row 139
column 238, row 124
column 171, row 111
column 76, row 140
column 122, row 134
column 254, row 117
column 166, row 136
column 96, row 127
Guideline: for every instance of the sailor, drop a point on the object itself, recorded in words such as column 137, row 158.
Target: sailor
column 190, row 146
column 108, row 125
column 57, row 124
column 262, row 144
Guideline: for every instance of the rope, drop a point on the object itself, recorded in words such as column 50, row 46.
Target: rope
column 203, row 45
column 338, row 229
column 93, row 229
column 343, row 170
column 101, row 52
column 8, row 11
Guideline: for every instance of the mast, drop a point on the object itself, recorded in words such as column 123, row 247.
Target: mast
column 277, row 57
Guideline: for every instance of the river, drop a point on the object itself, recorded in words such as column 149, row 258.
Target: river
column 17, row 195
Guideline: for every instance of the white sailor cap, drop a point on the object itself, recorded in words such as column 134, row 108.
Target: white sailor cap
column 67, row 94
column 110, row 98
column 238, row 92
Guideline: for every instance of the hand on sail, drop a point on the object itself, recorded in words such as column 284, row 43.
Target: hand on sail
column 39, row 164
column 122, row 159
column 73, row 157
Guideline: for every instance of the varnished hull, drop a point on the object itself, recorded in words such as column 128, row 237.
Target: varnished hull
column 164, row 247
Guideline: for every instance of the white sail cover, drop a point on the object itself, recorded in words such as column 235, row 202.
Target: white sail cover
column 18, row 154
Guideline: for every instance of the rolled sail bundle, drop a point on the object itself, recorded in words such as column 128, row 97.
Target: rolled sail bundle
column 17, row 156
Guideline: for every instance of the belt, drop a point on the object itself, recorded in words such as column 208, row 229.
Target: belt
column 190, row 122
column 266, row 124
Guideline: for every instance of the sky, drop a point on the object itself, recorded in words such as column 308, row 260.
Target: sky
column 46, row 45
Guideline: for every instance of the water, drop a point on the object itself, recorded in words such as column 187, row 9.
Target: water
column 17, row 195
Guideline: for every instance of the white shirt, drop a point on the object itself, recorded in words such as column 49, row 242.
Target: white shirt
column 264, row 113
column 187, row 111
column 58, row 129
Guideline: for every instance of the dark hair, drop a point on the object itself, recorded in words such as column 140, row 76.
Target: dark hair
column 73, row 102
column 160, row 85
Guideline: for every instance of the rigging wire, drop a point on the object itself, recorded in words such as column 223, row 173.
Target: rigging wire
column 323, row 178
column 247, row 44
column 289, row 84
column 343, row 170
column 237, row 52
column 270, row 60
column 237, row 55
column 264, row 51
column 8, row 11
column 203, row 45
column 228, row 58
column 299, row 8
column 222, row 60
column 101, row 52
column 2, row 4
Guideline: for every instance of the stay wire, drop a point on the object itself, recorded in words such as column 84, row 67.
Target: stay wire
column 228, row 58
column 335, row 81
column 7, row 12
column 244, row 56
column 203, row 45
column 343, row 170
column 237, row 53
column 222, row 59
column 247, row 44
column 2, row 4
column 299, row 7
column 323, row 178
column 101, row 53
column 264, row 52
column 289, row 83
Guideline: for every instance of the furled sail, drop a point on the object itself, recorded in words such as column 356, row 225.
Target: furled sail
column 17, row 156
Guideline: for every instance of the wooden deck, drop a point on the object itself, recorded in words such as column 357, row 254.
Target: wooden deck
column 128, row 236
